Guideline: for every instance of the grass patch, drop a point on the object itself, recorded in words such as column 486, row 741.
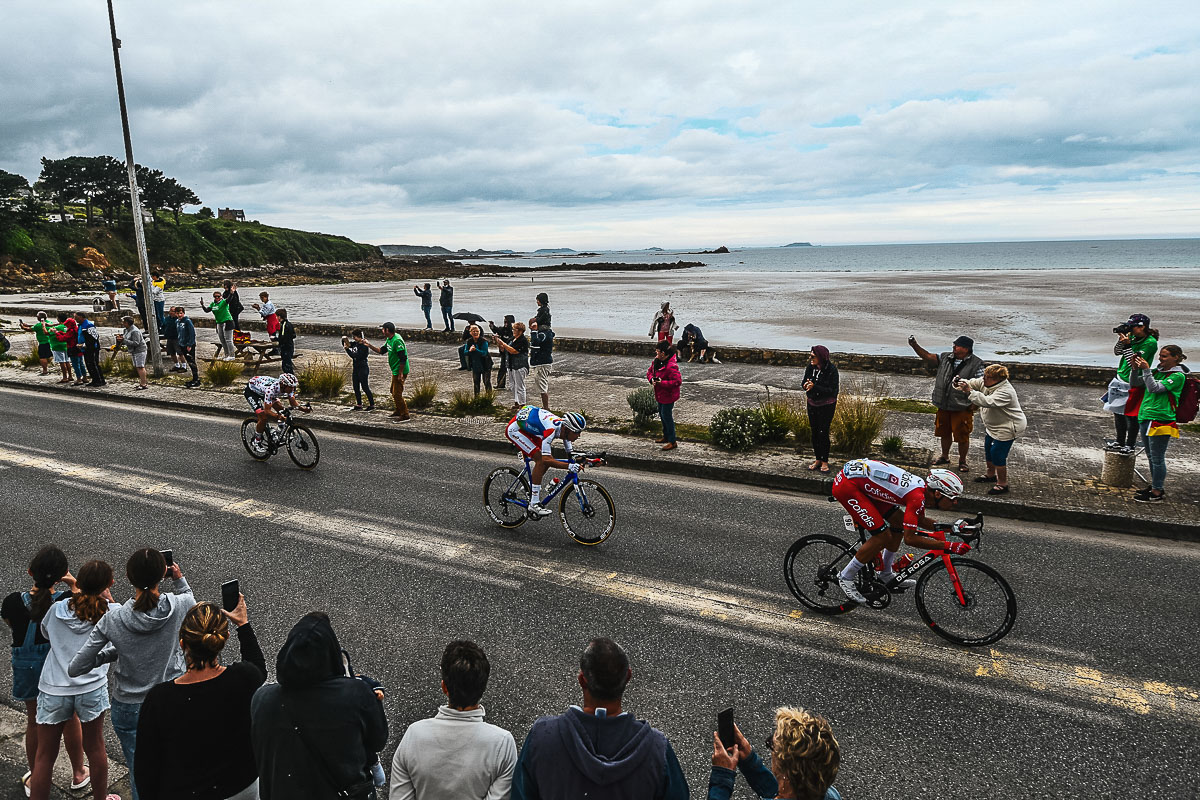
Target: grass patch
column 893, row 445
column 856, row 423
column 425, row 389
column 1191, row 427
column 30, row 359
column 322, row 378
column 906, row 405
column 464, row 403
column 223, row 373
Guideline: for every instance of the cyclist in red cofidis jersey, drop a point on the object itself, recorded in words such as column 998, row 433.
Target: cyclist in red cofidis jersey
column 874, row 492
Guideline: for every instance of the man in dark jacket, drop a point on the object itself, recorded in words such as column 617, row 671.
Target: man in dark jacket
column 955, row 415
column 598, row 750
column 186, row 342
column 426, row 296
column 316, row 732
column 446, row 301
column 541, row 357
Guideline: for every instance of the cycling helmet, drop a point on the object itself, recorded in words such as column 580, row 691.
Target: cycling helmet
column 289, row 381
column 945, row 482
column 574, row 421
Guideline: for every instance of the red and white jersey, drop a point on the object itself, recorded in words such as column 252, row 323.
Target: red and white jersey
column 887, row 483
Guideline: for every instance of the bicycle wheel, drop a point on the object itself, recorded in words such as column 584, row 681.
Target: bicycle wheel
column 302, row 446
column 811, row 569
column 506, row 497
column 259, row 452
column 988, row 613
column 587, row 512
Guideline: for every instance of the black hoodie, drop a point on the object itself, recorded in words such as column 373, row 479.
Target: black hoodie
column 340, row 717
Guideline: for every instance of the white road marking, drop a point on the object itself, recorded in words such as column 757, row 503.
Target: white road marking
column 27, row 447
column 130, row 497
column 490, row 540
column 169, row 477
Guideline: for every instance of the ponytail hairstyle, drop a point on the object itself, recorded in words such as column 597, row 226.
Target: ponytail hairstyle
column 47, row 568
column 1176, row 351
column 87, row 603
column 1152, row 333
column 145, row 569
column 203, row 635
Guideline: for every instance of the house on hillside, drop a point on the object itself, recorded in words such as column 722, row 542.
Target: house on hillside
column 235, row 214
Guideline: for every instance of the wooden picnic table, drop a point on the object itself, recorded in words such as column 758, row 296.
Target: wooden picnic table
column 253, row 353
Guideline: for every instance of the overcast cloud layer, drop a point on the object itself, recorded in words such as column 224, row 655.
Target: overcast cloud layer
column 633, row 124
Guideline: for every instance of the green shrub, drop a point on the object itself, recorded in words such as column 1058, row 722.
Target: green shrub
column 424, row 391
column 644, row 406
column 464, row 403
column 322, row 378
column 780, row 416
column 856, row 423
column 892, row 445
column 737, row 429
column 223, row 373
column 30, row 359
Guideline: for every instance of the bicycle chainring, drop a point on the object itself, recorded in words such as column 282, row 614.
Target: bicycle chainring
column 878, row 596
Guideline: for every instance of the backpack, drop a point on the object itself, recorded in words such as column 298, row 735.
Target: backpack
column 1189, row 399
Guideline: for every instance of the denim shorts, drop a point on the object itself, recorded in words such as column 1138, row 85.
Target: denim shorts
column 53, row 709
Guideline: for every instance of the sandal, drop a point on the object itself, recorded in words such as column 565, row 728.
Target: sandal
column 25, row 783
column 986, row 479
column 824, row 470
column 83, row 784
column 963, row 467
column 941, row 461
column 998, row 490
column 811, row 467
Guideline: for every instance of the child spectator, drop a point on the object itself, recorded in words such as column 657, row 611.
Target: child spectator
column 356, row 347
column 187, row 343
column 664, row 325
column 266, row 310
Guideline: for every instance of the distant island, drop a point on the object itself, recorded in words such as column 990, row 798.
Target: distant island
column 799, row 244
column 437, row 250
column 553, row 251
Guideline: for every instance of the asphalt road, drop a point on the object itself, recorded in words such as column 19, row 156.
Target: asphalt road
column 1093, row 694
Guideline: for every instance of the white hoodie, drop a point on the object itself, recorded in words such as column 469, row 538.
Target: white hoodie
column 67, row 633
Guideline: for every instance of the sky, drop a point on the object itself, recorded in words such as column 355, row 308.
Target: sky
column 476, row 124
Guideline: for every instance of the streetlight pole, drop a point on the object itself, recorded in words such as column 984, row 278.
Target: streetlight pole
column 135, row 206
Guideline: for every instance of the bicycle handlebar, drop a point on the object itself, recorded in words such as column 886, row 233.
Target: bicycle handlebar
column 590, row 459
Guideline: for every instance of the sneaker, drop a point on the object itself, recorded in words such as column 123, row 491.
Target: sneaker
column 1149, row 497
column 850, row 590
column 1112, row 445
column 1127, row 450
column 888, row 579
column 539, row 510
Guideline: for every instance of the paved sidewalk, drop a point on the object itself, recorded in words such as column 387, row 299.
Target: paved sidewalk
column 1053, row 469
column 13, row 766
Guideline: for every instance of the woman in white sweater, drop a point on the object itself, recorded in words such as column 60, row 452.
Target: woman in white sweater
column 1003, row 421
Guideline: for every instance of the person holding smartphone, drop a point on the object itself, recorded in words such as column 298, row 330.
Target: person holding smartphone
column 356, row 347
column 804, row 760
column 41, row 331
column 516, row 350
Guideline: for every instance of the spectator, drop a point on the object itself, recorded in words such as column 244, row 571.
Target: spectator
column 456, row 755
column 41, row 331
column 224, row 322
column 89, row 335
column 543, row 312
column 158, row 286
column 505, row 332
column 478, row 358
column 446, row 300
column 135, row 342
column 139, row 297
column 60, row 341
column 955, row 415
column 664, row 324
column 212, row 704
column 517, row 353
column 142, row 636
column 186, row 343
column 598, row 750
column 287, row 342
column 1157, row 414
column 664, row 376
column 695, row 345
column 1142, row 341
column 113, row 303
column 66, row 701
column 1003, row 421
column 231, row 296
column 821, row 385
column 168, row 329
column 75, row 349
column 397, row 354
column 541, row 358
column 316, row 732
column 266, row 310
column 23, row 612
column 360, row 371
column 426, row 296
column 463, row 363
column 805, row 758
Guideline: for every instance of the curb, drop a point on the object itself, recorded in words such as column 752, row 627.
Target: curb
column 1098, row 521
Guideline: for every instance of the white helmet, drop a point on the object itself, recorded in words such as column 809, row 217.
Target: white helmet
column 289, row 381
column 574, row 421
column 946, row 482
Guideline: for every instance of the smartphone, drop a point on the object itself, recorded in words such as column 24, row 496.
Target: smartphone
column 230, row 594
column 725, row 729
column 169, row 557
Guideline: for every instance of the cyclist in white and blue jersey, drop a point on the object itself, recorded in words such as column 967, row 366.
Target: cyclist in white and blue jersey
column 533, row 430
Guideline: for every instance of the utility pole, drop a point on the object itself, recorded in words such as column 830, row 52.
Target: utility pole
column 135, row 206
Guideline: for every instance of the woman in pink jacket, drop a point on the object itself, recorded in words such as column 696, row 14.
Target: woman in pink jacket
column 665, row 378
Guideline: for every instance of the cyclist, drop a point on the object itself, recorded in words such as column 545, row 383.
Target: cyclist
column 862, row 484
column 265, row 396
column 532, row 431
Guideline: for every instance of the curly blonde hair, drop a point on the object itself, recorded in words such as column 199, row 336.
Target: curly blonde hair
column 997, row 372
column 805, row 752
column 203, row 635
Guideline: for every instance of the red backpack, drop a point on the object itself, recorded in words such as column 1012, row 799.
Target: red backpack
column 1189, row 399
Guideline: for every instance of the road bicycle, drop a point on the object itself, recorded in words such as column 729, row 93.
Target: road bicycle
column 585, row 508
column 961, row 599
column 300, row 441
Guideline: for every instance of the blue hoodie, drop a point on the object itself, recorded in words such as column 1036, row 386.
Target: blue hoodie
column 576, row 755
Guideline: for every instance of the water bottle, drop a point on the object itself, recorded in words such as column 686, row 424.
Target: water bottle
column 903, row 562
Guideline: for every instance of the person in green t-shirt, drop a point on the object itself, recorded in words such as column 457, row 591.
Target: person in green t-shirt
column 397, row 354
column 1156, row 417
column 41, row 330
column 60, row 341
column 224, row 322
column 1140, row 341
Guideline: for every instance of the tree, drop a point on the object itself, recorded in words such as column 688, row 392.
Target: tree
column 59, row 182
column 12, row 185
column 204, row 213
column 179, row 196
column 108, row 181
column 152, row 185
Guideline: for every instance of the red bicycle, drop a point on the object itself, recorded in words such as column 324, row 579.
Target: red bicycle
column 963, row 600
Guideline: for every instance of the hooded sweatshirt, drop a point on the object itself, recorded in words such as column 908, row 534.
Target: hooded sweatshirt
column 824, row 377
column 667, row 390
column 341, row 722
column 67, row 634
column 577, row 755
column 144, row 645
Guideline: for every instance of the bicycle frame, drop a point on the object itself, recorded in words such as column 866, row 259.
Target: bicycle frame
column 527, row 473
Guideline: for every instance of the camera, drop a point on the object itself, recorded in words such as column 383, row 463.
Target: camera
column 1123, row 329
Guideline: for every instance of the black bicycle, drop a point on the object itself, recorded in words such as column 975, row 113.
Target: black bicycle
column 300, row 441
column 963, row 600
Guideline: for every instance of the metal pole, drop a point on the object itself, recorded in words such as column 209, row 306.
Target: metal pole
column 135, row 206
